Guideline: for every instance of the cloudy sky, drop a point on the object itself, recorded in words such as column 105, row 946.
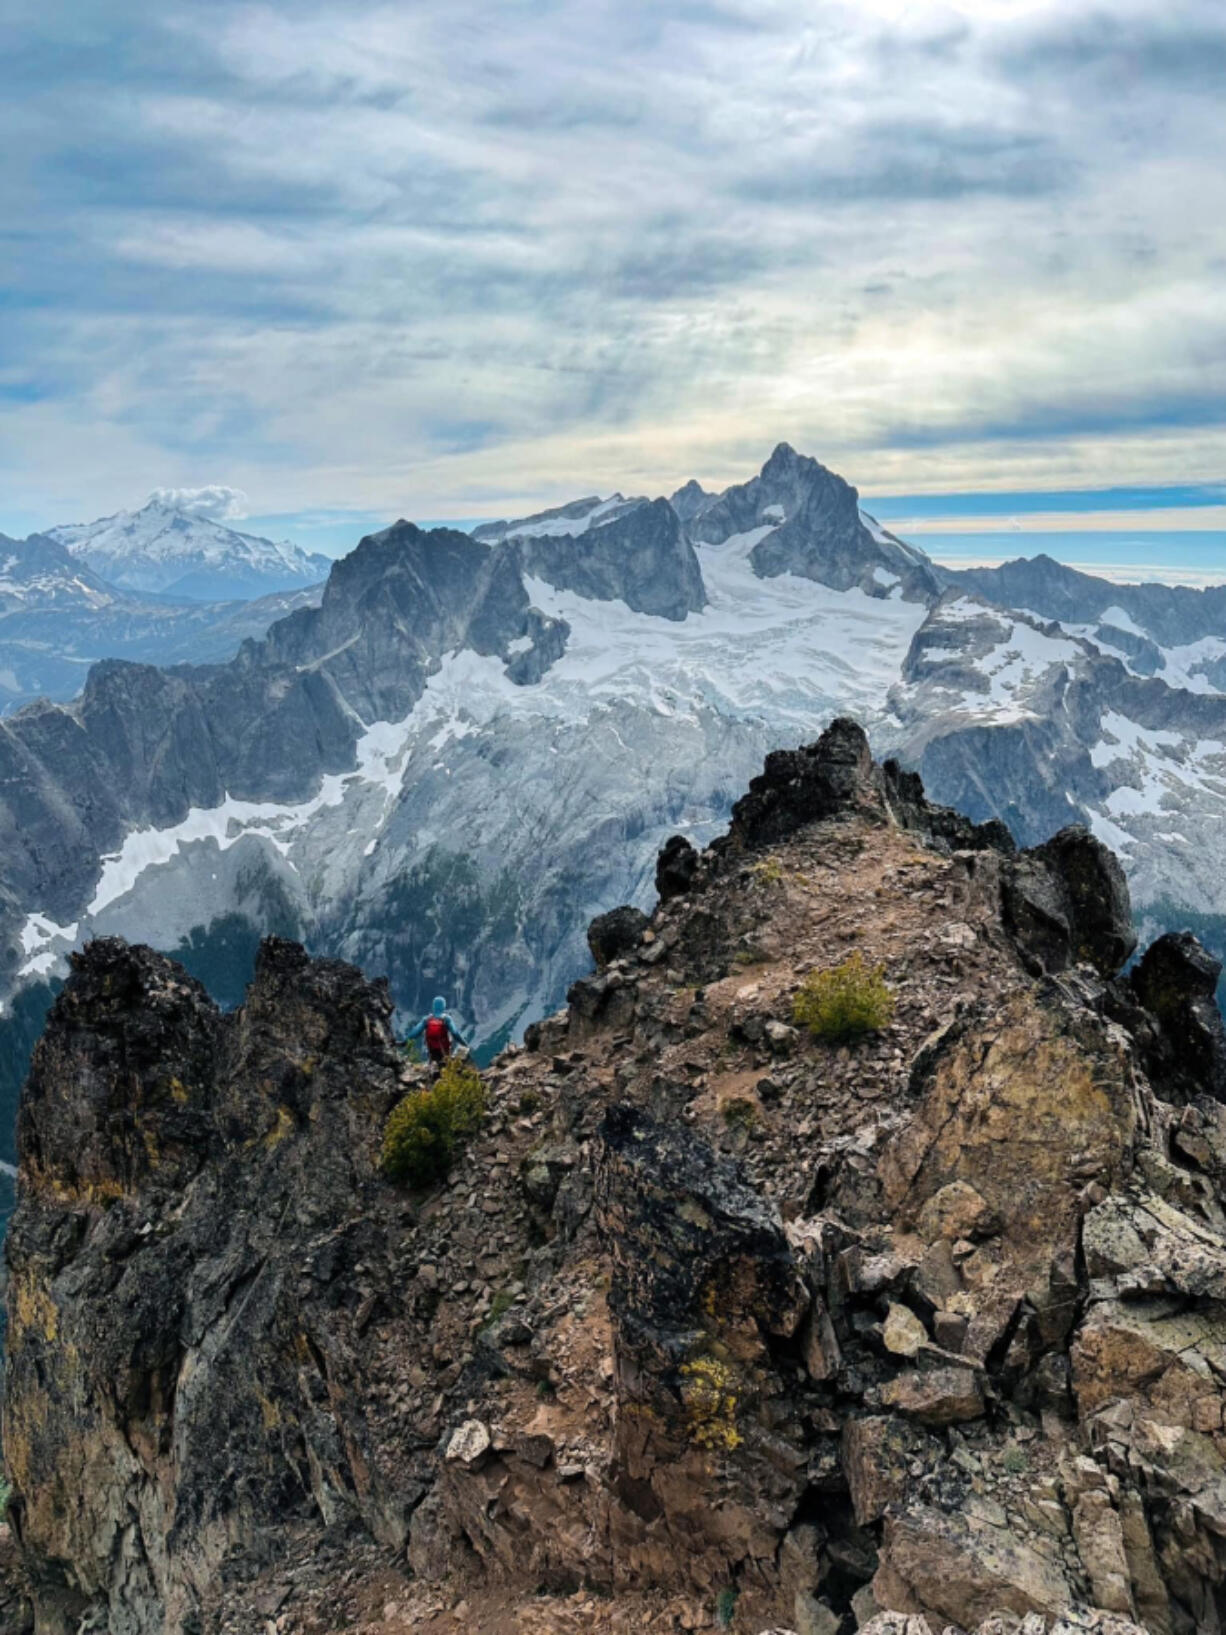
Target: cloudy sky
column 455, row 258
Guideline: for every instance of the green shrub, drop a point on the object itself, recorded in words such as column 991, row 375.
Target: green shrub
column 725, row 1608
column 769, row 870
column 500, row 1305
column 844, row 1002
column 425, row 1130
column 740, row 1113
column 5, row 1494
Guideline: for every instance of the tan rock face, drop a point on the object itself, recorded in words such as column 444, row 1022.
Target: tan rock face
column 1017, row 1116
column 955, row 1211
column 1100, row 1544
column 962, row 1569
column 903, row 1333
column 945, row 1396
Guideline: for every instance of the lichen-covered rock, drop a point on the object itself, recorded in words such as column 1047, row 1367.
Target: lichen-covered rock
column 703, row 1283
column 190, row 1232
column 961, row 1569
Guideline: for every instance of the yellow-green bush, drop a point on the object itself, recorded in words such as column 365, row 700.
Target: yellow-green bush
column 846, row 1001
column 425, row 1130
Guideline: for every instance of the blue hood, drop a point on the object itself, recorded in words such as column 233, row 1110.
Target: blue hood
column 439, row 1006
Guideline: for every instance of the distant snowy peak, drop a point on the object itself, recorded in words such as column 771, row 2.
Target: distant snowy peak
column 166, row 551
column 973, row 661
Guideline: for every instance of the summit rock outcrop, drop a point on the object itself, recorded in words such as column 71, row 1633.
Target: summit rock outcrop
column 714, row 1323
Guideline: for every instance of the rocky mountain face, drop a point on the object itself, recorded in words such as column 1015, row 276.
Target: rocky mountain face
column 58, row 617
column 1167, row 630
column 1041, row 724
column 166, row 550
column 476, row 743
column 814, row 528
column 36, row 572
column 716, row 1323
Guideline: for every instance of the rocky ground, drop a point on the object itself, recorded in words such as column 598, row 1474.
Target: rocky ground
column 714, row 1324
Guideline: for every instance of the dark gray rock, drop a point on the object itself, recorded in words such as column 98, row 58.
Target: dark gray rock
column 904, row 793
column 690, row 499
column 619, row 932
column 1176, row 981
column 641, row 557
column 1171, row 614
column 798, row 786
column 703, row 1281
column 200, row 1214
column 1066, row 902
column 676, row 868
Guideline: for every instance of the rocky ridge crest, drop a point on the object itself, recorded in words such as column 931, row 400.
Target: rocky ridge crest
column 712, row 1321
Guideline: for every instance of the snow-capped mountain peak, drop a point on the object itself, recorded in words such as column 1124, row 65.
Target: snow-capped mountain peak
column 424, row 774
column 169, row 550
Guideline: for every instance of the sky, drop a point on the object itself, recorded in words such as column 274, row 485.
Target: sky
column 332, row 261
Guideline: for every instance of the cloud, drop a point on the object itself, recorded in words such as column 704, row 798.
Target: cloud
column 431, row 259
column 219, row 503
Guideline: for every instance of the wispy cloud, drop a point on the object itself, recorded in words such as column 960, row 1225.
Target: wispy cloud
column 445, row 259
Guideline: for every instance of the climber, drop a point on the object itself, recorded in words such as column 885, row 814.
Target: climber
column 439, row 1031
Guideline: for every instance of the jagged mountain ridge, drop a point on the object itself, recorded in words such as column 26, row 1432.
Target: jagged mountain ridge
column 167, row 550
column 1171, row 630
column 475, row 743
column 711, row 1315
column 58, row 617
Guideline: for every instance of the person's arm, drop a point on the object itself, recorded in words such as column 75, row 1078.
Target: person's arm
column 456, row 1034
column 417, row 1031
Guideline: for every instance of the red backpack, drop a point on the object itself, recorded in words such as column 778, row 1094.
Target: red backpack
column 438, row 1035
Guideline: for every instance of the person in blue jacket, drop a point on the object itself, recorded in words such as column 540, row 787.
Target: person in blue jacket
column 439, row 1031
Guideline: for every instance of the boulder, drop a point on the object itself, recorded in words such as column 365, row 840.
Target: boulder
column 903, row 1333
column 468, row 1444
column 1066, row 902
column 961, row 1569
column 615, row 934
column 798, row 786
column 877, row 1454
column 943, row 1396
column 676, row 867
column 1176, row 980
column 1100, row 1544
